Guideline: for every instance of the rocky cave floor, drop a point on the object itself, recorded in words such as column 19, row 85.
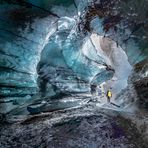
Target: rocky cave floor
column 85, row 126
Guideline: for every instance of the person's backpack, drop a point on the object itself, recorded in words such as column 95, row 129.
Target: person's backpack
column 109, row 94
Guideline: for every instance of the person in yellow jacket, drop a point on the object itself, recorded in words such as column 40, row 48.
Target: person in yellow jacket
column 109, row 95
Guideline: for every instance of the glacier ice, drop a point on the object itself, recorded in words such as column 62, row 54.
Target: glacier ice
column 37, row 51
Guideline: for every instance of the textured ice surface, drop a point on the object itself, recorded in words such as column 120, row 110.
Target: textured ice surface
column 82, row 127
column 69, row 58
column 36, row 47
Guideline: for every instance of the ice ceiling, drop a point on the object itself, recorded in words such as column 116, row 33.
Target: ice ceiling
column 48, row 45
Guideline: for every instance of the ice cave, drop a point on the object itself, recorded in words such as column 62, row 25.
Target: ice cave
column 73, row 73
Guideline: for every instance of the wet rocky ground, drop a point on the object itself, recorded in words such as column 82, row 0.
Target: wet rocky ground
column 87, row 126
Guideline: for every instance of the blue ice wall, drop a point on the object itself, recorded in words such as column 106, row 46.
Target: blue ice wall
column 37, row 46
column 21, row 42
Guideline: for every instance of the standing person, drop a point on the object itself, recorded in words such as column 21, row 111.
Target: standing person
column 93, row 88
column 109, row 95
column 99, row 91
